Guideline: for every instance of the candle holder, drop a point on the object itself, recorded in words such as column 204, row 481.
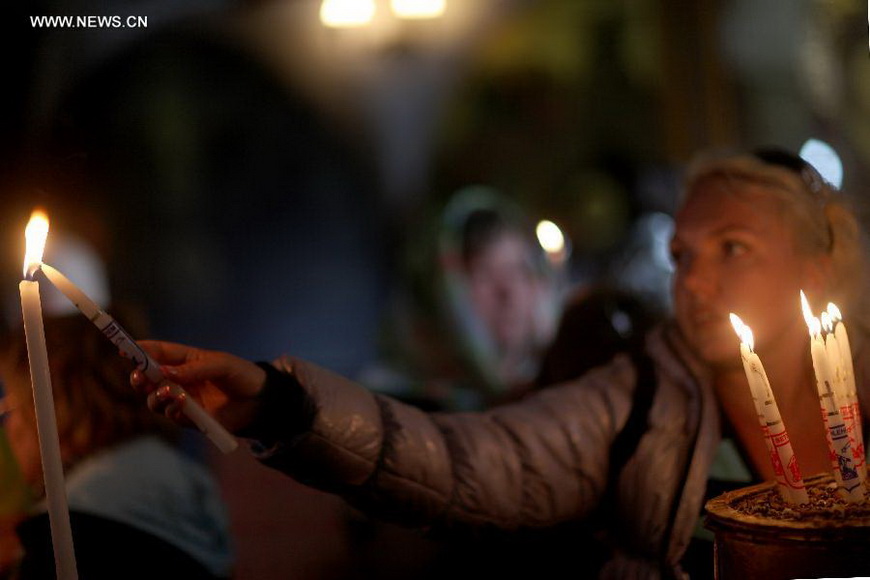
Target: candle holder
column 758, row 537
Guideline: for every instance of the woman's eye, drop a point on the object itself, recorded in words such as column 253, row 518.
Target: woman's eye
column 733, row 248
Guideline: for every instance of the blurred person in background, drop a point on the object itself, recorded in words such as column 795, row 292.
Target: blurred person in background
column 132, row 492
column 481, row 309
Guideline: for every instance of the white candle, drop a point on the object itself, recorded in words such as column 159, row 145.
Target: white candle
column 785, row 464
column 130, row 349
column 848, row 367
column 840, row 448
column 43, row 400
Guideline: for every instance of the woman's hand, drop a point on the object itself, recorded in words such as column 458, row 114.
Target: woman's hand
column 225, row 385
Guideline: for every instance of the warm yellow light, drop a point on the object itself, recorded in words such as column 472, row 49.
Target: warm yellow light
column 347, row 13
column 743, row 331
column 813, row 323
column 805, row 308
column 418, row 8
column 834, row 312
column 35, row 236
column 827, row 323
column 550, row 237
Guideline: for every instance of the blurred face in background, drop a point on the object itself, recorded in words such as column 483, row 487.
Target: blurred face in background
column 504, row 290
column 734, row 250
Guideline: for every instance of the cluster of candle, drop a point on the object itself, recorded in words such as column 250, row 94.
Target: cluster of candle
column 36, row 235
column 835, row 381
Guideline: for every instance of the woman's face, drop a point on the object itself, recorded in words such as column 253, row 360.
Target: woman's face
column 734, row 251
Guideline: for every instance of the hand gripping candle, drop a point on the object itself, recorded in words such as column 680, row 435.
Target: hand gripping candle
column 785, row 464
column 130, row 349
column 842, row 461
column 43, row 400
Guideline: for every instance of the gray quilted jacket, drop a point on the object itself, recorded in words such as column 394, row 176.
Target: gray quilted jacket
column 531, row 464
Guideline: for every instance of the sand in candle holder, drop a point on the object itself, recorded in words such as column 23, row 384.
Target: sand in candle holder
column 758, row 536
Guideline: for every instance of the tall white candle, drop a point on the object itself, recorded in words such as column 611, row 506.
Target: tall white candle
column 43, row 400
column 841, row 394
column 840, row 448
column 785, row 464
column 848, row 367
column 130, row 349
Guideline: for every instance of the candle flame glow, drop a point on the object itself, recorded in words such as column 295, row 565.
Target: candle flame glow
column 827, row 323
column 815, row 326
column 836, row 316
column 35, row 235
column 743, row 331
column 805, row 307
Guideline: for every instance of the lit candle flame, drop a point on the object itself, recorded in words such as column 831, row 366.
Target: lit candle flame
column 743, row 331
column 815, row 326
column 35, row 235
column 805, row 307
column 813, row 323
column 834, row 312
column 827, row 323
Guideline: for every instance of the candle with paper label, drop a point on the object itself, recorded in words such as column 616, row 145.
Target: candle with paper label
column 841, row 390
column 843, row 462
column 130, row 349
column 785, row 464
column 848, row 367
column 43, row 400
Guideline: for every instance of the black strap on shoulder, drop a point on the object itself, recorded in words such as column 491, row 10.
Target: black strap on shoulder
column 638, row 418
column 627, row 440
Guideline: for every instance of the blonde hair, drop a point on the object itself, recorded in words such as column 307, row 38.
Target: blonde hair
column 822, row 218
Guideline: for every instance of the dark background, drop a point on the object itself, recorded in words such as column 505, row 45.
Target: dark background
column 253, row 180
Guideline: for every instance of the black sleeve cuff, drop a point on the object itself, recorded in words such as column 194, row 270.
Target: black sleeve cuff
column 284, row 410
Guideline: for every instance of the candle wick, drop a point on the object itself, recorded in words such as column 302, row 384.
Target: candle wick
column 32, row 269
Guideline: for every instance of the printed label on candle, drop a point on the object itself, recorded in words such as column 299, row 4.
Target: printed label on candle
column 124, row 342
column 128, row 347
column 777, row 465
column 780, row 439
column 794, row 469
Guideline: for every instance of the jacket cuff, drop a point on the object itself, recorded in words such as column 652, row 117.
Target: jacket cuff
column 284, row 412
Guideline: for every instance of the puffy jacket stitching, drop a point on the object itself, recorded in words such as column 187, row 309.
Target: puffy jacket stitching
column 453, row 503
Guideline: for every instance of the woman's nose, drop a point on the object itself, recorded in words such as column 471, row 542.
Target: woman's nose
column 698, row 276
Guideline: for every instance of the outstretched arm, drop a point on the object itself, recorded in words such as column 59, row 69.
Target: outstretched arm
column 534, row 463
